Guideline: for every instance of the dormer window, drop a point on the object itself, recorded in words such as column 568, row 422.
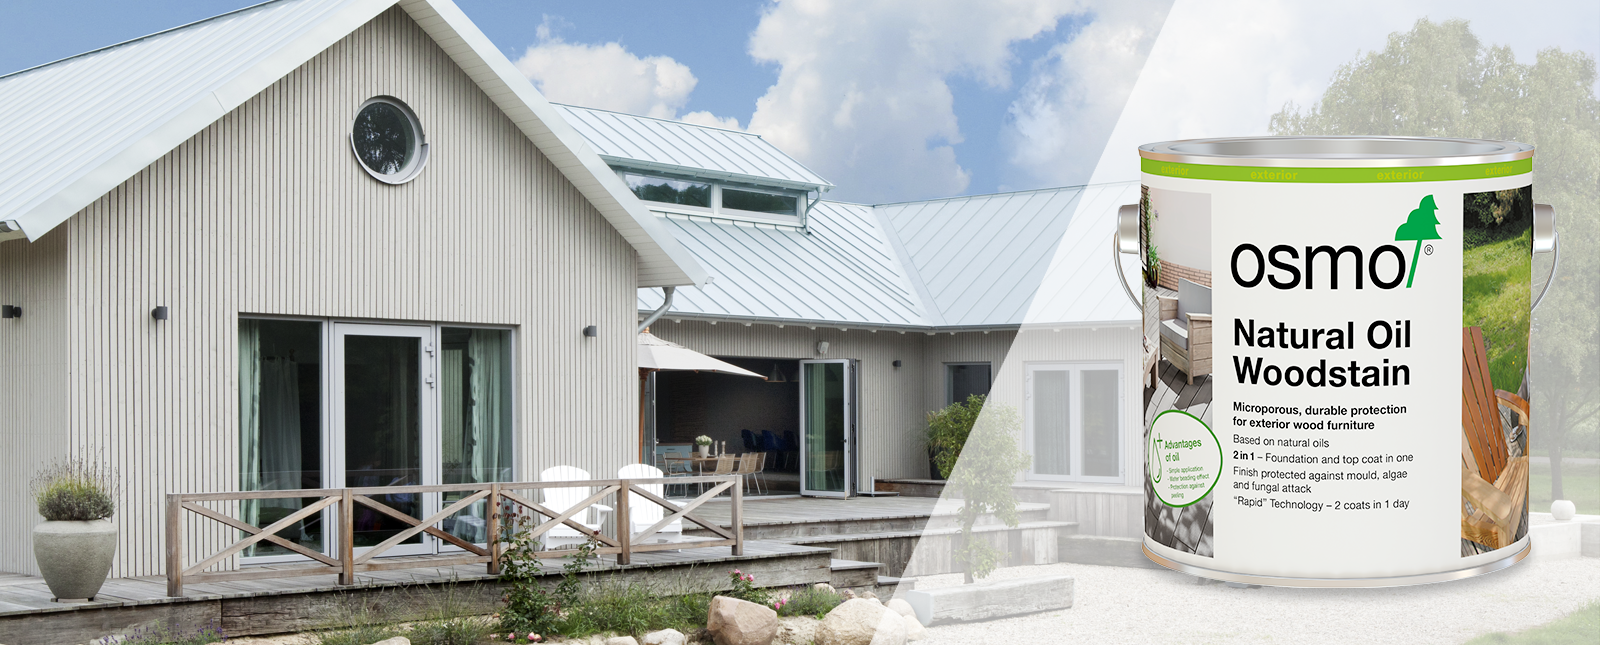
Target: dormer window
column 669, row 191
column 718, row 199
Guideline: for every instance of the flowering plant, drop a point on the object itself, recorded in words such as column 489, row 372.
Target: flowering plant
column 702, row 440
column 744, row 588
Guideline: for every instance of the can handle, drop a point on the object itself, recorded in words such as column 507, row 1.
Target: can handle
column 1126, row 241
column 1545, row 240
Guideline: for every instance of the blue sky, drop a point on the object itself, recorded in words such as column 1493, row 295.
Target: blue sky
column 897, row 100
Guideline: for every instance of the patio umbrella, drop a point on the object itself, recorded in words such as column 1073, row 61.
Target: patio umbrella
column 656, row 355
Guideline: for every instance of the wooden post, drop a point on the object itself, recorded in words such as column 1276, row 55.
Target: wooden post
column 738, row 515
column 494, row 529
column 347, row 539
column 174, row 545
column 624, row 524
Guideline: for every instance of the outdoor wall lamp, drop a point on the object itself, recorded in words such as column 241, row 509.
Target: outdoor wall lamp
column 159, row 313
column 822, row 347
column 591, row 331
column 897, row 362
column 10, row 311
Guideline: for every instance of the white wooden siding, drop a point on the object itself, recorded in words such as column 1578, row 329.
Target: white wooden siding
column 266, row 212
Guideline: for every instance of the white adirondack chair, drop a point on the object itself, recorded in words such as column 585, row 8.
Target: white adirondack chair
column 644, row 513
column 561, row 499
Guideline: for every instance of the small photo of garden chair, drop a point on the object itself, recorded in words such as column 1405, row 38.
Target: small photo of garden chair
column 1494, row 463
column 1186, row 329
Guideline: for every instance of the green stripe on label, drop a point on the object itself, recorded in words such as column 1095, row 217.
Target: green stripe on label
column 1335, row 175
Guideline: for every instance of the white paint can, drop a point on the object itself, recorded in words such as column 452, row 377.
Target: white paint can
column 1339, row 334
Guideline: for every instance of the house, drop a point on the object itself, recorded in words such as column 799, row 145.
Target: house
column 307, row 244
column 867, row 317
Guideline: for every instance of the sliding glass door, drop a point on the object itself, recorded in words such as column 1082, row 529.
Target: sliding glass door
column 381, row 413
column 326, row 404
column 827, row 425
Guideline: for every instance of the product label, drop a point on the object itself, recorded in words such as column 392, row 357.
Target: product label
column 1338, row 390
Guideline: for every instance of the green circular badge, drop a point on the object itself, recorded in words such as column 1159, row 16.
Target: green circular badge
column 1184, row 458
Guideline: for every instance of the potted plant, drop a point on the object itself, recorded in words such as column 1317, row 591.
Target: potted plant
column 702, row 445
column 75, row 543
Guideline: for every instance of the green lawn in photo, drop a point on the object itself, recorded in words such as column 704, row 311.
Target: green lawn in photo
column 1496, row 290
column 1580, row 483
column 1581, row 627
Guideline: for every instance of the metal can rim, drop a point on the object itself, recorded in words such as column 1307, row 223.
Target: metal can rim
column 1335, row 152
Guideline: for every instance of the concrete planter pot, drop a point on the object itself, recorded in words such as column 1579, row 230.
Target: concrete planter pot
column 74, row 557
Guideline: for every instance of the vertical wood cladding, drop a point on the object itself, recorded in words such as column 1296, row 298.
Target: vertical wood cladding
column 267, row 212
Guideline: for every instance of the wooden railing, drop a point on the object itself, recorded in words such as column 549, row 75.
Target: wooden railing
column 502, row 499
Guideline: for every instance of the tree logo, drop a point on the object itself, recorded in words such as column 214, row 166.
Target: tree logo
column 1421, row 225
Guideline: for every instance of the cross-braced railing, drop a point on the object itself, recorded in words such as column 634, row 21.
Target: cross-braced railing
column 502, row 499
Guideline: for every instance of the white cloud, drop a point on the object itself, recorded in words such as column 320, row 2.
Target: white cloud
column 862, row 97
column 606, row 76
column 703, row 117
column 1070, row 102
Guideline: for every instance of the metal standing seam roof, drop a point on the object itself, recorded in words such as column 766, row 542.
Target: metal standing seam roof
column 76, row 128
column 987, row 261
column 646, row 143
column 840, row 271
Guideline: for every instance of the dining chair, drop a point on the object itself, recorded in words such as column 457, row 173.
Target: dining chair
column 726, row 465
column 751, row 465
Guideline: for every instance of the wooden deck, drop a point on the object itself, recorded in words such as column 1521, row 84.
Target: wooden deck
column 269, row 606
column 1172, row 391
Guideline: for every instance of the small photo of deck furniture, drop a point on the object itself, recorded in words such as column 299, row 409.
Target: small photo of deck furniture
column 1494, row 460
column 1186, row 329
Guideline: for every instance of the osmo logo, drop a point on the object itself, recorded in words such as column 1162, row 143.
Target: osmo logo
column 1284, row 267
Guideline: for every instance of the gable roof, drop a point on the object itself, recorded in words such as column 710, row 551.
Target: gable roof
column 645, row 143
column 997, row 261
column 77, row 128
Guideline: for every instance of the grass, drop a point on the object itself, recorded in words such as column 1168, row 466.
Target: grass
column 449, row 618
column 1581, row 627
column 1496, row 291
column 1580, row 482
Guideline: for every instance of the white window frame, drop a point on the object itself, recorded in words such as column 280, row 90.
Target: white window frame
column 1075, row 423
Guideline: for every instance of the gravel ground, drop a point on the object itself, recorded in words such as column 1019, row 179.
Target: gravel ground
column 1118, row 605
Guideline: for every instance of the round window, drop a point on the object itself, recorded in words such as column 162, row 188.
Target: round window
column 388, row 140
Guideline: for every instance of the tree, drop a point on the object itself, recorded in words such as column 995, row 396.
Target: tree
column 989, row 462
column 1439, row 80
column 1421, row 225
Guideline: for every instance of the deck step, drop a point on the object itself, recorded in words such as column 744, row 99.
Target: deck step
column 853, row 573
column 824, row 540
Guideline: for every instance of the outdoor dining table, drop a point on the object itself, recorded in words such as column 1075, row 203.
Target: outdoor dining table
column 696, row 462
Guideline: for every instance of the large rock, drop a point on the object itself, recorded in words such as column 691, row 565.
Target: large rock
column 398, row 640
column 902, row 607
column 991, row 600
column 736, row 622
column 664, row 637
column 861, row 622
column 799, row 630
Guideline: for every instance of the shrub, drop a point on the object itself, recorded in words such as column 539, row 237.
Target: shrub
column 75, row 489
column 530, row 607
column 808, row 601
column 948, row 429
